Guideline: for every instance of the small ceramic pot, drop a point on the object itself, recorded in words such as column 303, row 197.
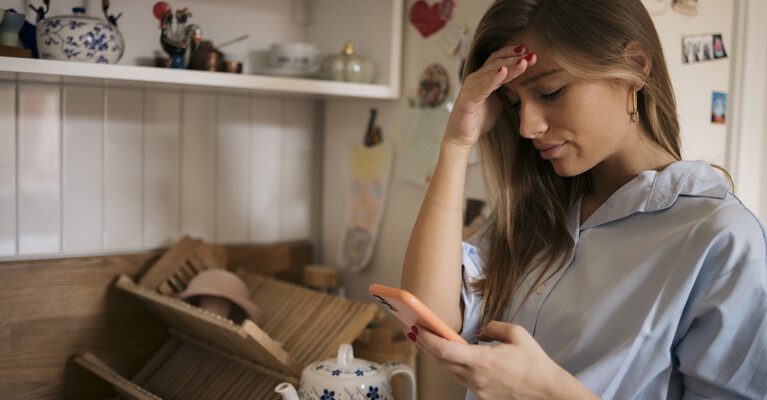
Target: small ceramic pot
column 10, row 25
column 347, row 378
column 79, row 38
column 348, row 67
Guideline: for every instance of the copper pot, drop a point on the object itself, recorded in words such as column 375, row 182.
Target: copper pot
column 207, row 58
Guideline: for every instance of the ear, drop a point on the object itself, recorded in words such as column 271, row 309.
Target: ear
column 639, row 56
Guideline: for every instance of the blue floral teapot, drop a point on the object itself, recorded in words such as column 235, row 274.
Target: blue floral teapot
column 78, row 37
column 347, row 378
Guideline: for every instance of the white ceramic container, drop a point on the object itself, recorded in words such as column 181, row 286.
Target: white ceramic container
column 347, row 378
column 79, row 37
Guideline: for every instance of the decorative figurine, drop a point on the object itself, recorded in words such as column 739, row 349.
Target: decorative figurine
column 176, row 39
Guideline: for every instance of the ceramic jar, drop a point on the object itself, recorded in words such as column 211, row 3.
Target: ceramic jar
column 348, row 67
column 10, row 25
column 347, row 378
column 79, row 37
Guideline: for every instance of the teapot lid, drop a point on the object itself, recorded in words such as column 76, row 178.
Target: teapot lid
column 345, row 366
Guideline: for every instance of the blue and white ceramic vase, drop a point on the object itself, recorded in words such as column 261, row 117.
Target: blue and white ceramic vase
column 79, row 38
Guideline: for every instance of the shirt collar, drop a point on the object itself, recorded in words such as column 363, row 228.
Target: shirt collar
column 658, row 190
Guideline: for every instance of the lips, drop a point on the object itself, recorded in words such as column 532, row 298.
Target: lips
column 549, row 151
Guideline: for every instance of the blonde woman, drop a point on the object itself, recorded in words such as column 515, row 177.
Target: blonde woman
column 610, row 267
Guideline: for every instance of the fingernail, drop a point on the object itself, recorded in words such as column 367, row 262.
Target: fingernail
column 529, row 57
column 414, row 329
column 411, row 336
column 500, row 68
column 519, row 61
column 478, row 332
column 519, row 49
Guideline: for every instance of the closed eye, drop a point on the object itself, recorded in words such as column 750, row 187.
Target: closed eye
column 553, row 95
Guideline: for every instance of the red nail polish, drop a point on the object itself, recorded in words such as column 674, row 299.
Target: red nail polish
column 478, row 332
column 519, row 49
column 519, row 61
column 411, row 336
column 500, row 68
column 529, row 57
column 414, row 329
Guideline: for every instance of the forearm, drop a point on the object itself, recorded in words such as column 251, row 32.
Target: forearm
column 570, row 388
column 432, row 267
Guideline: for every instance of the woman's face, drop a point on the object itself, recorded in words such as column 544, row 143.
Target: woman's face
column 576, row 124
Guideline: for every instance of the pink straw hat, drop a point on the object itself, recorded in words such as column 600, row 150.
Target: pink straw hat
column 224, row 284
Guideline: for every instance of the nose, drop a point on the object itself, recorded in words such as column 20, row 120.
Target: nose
column 532, row 121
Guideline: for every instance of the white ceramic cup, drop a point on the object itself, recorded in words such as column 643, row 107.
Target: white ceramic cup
column 297, row 56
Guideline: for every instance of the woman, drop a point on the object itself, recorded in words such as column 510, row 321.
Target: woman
column 609, row 268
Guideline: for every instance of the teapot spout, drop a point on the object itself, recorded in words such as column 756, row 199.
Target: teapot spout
column 287, row 391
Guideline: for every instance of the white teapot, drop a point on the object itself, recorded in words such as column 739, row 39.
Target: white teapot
column 347, row 378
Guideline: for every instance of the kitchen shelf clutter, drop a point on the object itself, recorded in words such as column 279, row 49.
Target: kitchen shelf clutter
column 374, row 26
column 209, row 356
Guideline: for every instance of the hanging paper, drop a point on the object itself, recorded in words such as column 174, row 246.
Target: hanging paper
column 369, row 168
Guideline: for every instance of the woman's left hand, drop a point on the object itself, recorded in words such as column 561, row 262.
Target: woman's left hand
column 517, row 368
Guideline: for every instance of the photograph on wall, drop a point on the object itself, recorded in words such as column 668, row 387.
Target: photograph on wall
column 700, row 48
column 718, row 108
column 719, row 47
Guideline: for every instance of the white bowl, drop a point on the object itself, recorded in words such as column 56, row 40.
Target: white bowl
column 304, row 56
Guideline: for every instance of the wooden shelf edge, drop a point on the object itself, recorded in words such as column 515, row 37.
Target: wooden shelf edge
column 121, row 75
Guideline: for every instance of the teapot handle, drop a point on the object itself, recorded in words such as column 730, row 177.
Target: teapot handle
column 408, row 388
column 345, row 354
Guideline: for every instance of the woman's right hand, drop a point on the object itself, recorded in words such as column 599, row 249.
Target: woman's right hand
column 476, row 109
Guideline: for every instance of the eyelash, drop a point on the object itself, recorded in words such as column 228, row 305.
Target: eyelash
column 553, row 95
column 546, row 96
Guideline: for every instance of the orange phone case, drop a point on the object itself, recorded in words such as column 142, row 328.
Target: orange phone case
column 411, row 311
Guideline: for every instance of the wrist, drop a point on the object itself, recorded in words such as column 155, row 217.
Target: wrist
column 571, row 388
column 453, row 147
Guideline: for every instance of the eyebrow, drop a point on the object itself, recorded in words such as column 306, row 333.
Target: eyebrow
column 538, row 77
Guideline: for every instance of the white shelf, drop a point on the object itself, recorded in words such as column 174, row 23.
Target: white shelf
column 24, row 69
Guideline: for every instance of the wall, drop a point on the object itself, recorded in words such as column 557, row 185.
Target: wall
column 747, row 143
column 694, row 83
column 346, row 120
column 88, row 169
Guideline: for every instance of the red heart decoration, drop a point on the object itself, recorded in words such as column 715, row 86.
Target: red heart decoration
column 426, row 19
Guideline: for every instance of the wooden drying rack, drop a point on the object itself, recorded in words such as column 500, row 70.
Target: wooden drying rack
column 209, row 356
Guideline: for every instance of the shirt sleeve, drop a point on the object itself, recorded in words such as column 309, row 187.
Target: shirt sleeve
column 471, row 271
column 723, row 353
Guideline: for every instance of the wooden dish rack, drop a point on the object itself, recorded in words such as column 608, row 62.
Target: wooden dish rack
column 211, row 357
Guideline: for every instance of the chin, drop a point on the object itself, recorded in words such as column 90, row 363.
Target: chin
column 566, row 170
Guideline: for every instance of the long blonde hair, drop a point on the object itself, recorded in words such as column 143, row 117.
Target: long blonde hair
column 531, row 203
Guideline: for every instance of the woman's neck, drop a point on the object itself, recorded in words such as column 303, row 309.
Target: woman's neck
column 619, row 169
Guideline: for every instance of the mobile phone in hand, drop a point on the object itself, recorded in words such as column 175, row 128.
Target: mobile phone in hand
column 411, row 311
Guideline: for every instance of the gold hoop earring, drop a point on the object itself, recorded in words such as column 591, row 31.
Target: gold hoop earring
column 634, row 113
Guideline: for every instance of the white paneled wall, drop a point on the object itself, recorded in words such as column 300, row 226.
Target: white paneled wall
column 89, row 169
column 7, row 168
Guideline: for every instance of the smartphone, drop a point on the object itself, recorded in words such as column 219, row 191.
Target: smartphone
column 411, row 311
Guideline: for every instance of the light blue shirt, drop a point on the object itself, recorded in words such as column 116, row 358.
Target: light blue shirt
column 665, row 296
